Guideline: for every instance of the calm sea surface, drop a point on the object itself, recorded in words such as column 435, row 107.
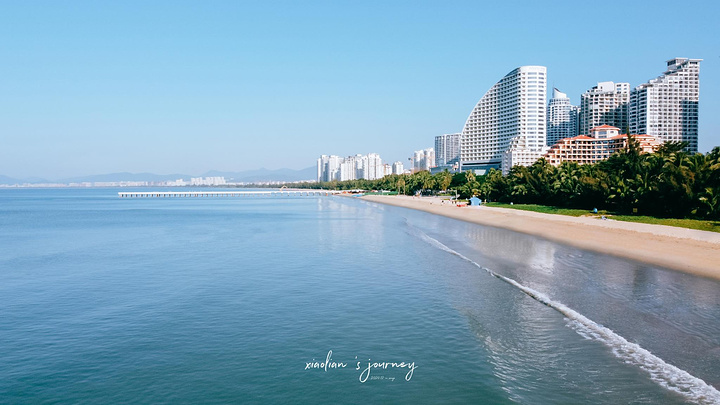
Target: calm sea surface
column 241, row 300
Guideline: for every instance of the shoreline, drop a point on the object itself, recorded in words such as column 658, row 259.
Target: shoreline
column 681, row 249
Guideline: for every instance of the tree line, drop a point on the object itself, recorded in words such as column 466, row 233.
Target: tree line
column 668, row 183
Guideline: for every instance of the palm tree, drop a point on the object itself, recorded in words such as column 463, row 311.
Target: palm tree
column 443, row 180
column 400, row 185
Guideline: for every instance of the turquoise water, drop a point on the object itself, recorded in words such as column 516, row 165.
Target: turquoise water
column 221, row 300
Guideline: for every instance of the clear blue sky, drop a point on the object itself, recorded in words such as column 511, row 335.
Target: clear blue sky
column 177, row 86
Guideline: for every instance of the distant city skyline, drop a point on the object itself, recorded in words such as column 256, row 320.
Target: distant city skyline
column 183, row 87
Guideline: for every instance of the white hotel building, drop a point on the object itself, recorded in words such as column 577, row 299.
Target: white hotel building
column 507, row 126
column 667, row 107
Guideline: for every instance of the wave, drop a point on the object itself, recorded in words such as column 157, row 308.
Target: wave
column 664, row 374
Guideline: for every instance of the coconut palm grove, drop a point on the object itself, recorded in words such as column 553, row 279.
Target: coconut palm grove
column 669, row 183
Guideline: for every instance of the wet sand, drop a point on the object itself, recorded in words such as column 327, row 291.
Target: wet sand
column 687, row 250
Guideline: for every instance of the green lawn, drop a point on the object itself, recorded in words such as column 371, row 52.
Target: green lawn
column 381, row 193
column 703, row 225
column 545, row 209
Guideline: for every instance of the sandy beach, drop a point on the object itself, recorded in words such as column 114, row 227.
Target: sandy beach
column 687, row 250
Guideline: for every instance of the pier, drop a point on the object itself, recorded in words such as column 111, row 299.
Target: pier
column 187, row 194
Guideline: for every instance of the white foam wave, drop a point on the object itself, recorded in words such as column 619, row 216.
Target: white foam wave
column 664, row 374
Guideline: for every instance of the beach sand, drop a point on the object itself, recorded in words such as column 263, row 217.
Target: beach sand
column 687, row 250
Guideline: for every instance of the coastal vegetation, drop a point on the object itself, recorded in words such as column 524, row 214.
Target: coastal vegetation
column 669, row 183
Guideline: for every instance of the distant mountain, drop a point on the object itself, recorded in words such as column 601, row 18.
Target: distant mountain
column 125, row 176
column 9, row 180
column 247, row 176
column 36, row 180
column 263, row 175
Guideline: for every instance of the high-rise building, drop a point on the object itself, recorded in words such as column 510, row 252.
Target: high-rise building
column 514, row 107
column 328, row 167
column 207, row 181
column 333, row 167
column 373, row 168
column 604, row 104
column 429, row 161
column 397, row 168
column 423, row 159
column 447, row 149
column 562, row 118
column 349, row 168
column 667, row 107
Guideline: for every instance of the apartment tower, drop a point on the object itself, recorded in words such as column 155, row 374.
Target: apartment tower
column 667, row 107
column 562, row 118
column 605, row 104
column 447, row 150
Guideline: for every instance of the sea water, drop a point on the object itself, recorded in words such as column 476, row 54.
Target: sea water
column 330, row 300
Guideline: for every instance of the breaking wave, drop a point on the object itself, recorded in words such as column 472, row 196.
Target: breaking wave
column 664, row 374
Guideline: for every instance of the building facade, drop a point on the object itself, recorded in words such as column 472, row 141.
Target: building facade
column 667, row 107
column 447, row 150
column 562, row 118
column 604, row 104
column 513, row 108
column 520, row 154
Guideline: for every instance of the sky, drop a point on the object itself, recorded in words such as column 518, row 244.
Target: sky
column 89, row 87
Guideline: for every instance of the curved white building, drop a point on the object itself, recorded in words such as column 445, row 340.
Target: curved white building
column 513, row 108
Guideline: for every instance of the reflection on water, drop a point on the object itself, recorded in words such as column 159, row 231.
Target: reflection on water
column 672, row 314
column 223, row 300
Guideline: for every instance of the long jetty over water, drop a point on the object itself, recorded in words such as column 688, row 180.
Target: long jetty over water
column 181, row 194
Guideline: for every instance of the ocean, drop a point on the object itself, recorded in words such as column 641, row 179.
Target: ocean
column 330, row 300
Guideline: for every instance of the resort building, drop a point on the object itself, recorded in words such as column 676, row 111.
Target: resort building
column 667, row 107
column 447, row 150
column 604, row 104
column 600, row 145
column 511, row 113
column 562, row 118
